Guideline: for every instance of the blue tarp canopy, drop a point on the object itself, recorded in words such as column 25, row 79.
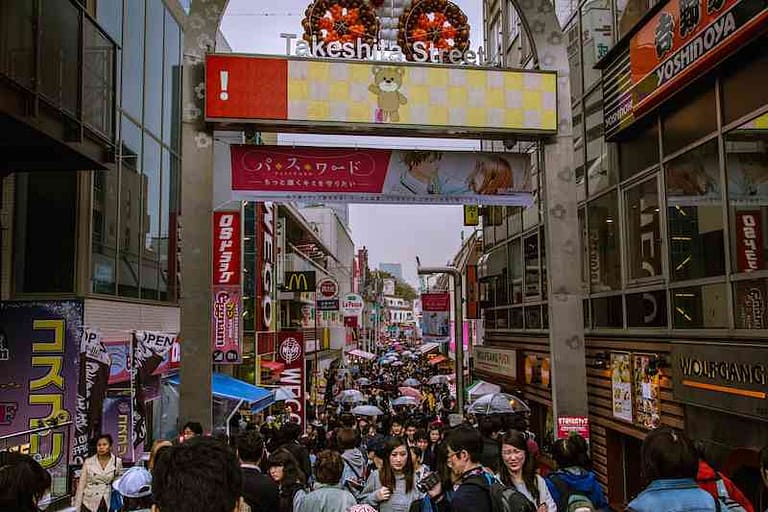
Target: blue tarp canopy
column 224, row 386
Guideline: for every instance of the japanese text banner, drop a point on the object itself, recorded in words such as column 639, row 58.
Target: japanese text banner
column 418, row 99
column 379, row 175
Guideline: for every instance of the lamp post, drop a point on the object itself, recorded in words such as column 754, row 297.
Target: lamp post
column 457, row 324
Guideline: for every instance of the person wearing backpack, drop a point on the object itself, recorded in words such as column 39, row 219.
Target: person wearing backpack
column 669, row 463
column 573, row 486
column 354, row 473
column 518, row 469
column 720, row 486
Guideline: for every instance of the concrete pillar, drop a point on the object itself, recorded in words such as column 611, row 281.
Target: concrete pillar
column 196, row 216
column 566, row 328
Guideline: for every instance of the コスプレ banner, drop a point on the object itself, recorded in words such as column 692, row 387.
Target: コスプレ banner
column 380, row 175
column 290, row 351
column 148, row 352
column 92, row 388
column 39, row 345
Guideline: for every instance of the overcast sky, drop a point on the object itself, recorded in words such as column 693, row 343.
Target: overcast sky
column 392, row 234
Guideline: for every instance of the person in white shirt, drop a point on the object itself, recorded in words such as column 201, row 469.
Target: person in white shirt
column 99, row 471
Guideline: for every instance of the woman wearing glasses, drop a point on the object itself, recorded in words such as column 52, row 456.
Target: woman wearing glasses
column 393, row 488
column 518, row 468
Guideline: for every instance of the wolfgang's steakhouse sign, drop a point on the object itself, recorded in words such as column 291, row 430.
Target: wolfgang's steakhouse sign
column 683, row 40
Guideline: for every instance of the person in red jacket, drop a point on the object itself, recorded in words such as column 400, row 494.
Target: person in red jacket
column 707, row 479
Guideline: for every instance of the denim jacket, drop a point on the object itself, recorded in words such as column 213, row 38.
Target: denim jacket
column 673, row 495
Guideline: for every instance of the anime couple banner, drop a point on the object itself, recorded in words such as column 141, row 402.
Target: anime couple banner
column 379, row 175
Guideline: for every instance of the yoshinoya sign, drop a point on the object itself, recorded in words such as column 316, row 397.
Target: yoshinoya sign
column 496, row 361
column 682, row 41
column 723, row 375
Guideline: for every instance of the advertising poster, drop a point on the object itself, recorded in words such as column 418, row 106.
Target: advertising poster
column 436, row 311
column 226, row 248
column 570, row 425
column 39, row 350
column 380, row 97
column 290, row 352
column 226, row 346
column 380, row 175
column 646, row 390
column 92, row 388
column 750, row 251
column 750, row 304
column 149, row 350
column 621, row 385
column 117, row 423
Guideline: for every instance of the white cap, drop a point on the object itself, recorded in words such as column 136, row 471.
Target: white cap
column 136, row 482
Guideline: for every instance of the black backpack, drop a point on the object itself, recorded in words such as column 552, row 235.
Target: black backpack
column 503, row 498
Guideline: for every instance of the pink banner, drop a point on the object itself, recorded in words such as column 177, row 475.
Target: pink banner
column 225, row 346
column 567, row 425
column 380, row 175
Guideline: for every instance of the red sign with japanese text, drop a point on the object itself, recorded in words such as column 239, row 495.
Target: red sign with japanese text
column 749, row 240
column 226, row 248
column 290, row 351
column 567, row 425
column 225, row 324
column 435, row 302
column 379, row 175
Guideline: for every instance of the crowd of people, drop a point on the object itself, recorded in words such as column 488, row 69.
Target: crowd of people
column 416, row 456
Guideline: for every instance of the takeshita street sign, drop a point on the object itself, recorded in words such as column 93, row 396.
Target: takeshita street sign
column 346, row 96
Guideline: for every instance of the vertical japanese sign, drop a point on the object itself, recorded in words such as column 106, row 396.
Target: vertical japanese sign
column 473, row 293
column 290, row 351
column 39, row 345
column 645, row 382
column 436, row 310
column 117, row 422
column 749, row 240
column 750, row 304
column 265, row 275
column 149, row 349
column 621, row 385
column 226, row 292
column 93, row 377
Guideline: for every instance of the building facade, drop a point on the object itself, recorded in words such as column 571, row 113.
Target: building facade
column 672, row 212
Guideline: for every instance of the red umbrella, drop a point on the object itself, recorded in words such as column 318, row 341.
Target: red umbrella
column 414, row 393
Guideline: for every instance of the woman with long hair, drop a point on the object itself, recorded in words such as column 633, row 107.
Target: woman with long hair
column 393, row 487
column 94, row 488
column 24, row 484
column 284, row 469
column 518, row 468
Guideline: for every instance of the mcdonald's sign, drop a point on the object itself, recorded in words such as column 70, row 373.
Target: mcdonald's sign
column 300, row 281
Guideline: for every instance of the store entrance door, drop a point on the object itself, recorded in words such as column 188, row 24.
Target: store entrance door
column 625, row 479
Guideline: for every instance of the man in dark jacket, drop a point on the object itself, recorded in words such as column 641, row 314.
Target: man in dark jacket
column 289, row 435
column 490, row 426
column 259, row 490
column 464, row 445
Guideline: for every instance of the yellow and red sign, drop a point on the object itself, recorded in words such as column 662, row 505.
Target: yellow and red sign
column 683, row 40
column 334, row 95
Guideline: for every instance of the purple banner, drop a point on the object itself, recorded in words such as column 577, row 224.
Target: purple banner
column 117, row 423
column 92, row 388
column 39, row 345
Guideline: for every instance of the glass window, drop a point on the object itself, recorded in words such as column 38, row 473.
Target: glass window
column 98, row 79
column 700, row 307
column 104, row 231
column 150, row 224
column 578, row 151
column 582, row 214
column 171, row 83
column 643, row 231
column 516, row 270
column 532, row 267
column 109, row 14
column 603, row 249
column 608, row 312
column 740, row 95
column 640, row 150
column 153, row 67
column 533, row 317
column 689, row 118
column 513, row 22
column 131, row 185
column 514, row 220
column 18, row 40
column 46, row 225
column 648, row 309
column 167, row 181
column 516, row 318
column 749, row 298
column 629, row 12
column 585, row 312
column 572, row 32
column 601, row 156
column 59, row 54
column 133, row 58
column 596, row 36
column 695, row 214
column 746, row 152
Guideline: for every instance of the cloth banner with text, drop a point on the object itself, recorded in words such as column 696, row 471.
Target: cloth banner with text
column 149, row 349
column 436, row 312
column 93, row 377
column 282, row 173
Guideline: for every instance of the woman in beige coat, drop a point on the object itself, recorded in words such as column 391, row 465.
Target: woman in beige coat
column 99, row 471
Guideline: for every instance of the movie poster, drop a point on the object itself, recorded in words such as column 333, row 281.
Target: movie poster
column 621, row 385
column 645, row 380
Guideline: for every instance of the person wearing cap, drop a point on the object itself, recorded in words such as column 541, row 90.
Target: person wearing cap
column 135, row 486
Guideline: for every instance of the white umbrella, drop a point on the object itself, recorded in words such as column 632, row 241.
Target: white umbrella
column 367, row 410
column 362, row 381
column 350, row 396
column 411, row 382
column 498, row 403
column 284, row 394
column 397, row 363
column 439, row 379
column 405, row 400
column 482, row 388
